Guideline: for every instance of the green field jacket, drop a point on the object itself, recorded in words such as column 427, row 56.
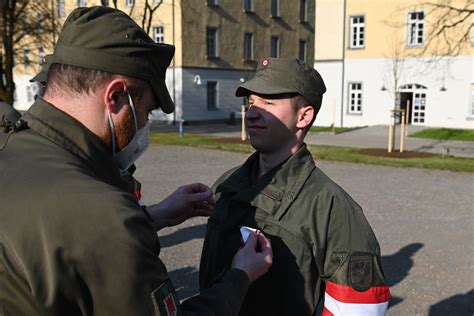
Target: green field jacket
column 316, row 229
column 73, row 238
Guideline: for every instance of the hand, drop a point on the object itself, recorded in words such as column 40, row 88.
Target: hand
column 255, row 264
column 187, row 201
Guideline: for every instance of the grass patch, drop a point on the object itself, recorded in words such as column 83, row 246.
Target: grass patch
column 446, row 134
column 329, row 129
column 320, row 152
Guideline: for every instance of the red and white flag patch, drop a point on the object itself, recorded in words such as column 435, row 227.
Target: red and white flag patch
column 344, row 300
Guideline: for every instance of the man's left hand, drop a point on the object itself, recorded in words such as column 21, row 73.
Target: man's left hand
column 187, row 201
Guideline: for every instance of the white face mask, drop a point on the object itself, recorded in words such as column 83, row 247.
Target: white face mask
column 137, row 146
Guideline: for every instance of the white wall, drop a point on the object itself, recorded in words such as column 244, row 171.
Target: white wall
column 330, row 111
column 448, row 108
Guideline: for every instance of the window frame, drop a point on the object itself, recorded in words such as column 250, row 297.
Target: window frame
column 248, row 6
column 305, row 50
column 303, row 14
column 215, row 107
column 129, row 3
column 355, row 27
column 357, row 97
column 61, row 8
column 275, row 9
column 416, row 23
column 215, row 53
column 278, row 46
column 26, row 58
column 157, row 35
column 249, row 46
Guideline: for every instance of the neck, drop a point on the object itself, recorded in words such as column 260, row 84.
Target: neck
column 267, row 161
column 82, row 107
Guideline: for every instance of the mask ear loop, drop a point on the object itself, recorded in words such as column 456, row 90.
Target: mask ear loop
column 132, row 106
column 112, row 129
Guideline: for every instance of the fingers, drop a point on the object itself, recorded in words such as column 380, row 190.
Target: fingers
column 251, row 241
column 265, row 246
column 201, row 197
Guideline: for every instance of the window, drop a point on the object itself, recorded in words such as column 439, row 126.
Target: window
column 275, row 8
column 415, row 28
column 39, row 22
column 302, row 51
column 40, row 55
column 81, row 3
column 355, row 98
column 26, row 57
column 25, row 24
column 303, row 11
column 275, row 47
column 212, row 2
column 212, row 42
column 212, row 96
column 161, row 1
column 248, row 46
column 61, row 8
column 129, row 3
column 248, row 6
column 357, row 32
column 158, row 34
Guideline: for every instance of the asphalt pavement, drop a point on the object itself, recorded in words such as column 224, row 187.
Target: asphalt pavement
column 423, row 220
column 367, row 137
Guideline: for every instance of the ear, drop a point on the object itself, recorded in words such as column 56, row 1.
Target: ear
column 305, row 116
column 114, row 95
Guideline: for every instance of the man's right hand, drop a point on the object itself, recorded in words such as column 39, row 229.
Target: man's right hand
column 254, row 263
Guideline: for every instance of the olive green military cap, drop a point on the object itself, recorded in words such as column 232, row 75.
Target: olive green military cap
column 42, row 76
column 285, row 75
column 107, row 39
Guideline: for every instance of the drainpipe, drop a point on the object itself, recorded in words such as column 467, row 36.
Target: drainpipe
column 343, row 62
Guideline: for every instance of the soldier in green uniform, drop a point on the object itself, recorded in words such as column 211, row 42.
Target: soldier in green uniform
column 73, row 238
column 326, row 257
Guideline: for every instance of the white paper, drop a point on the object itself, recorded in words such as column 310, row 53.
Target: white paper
column 245, row 231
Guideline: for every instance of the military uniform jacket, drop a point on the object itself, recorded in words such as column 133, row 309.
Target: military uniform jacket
column 325, row 251
column 73, row 238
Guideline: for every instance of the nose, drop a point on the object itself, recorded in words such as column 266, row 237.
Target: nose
column 253, row 112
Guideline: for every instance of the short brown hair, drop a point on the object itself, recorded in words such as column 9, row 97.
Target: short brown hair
column 62, row 77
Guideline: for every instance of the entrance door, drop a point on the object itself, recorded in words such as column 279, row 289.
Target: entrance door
column 419, row 103
column 406, row 103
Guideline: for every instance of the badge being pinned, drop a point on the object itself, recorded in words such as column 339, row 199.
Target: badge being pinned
column 165, row 300
column 265, row 62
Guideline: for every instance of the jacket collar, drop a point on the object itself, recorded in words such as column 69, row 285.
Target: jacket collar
column 280, row 185
column 73, row 136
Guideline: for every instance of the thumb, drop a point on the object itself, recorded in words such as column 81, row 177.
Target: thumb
column 251, row 241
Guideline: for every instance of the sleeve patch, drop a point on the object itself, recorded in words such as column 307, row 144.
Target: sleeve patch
column 360, row 272
column 165, row 300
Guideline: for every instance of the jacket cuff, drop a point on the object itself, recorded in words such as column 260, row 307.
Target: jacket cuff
column 238, row 283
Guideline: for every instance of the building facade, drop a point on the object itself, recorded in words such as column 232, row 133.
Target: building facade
column 375, row 58
column 218, row 44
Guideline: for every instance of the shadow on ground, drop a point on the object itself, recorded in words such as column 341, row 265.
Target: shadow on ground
column 398, row 266
column 183, row 235
column 459, row 305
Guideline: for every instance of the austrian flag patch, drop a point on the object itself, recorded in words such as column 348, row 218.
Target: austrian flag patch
column 165, row 300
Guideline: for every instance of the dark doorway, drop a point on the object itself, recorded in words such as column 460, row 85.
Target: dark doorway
column 406, row 103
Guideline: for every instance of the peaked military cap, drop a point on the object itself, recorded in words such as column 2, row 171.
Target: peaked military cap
column 42, row 76
column 107, row 39
column 285, row 75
